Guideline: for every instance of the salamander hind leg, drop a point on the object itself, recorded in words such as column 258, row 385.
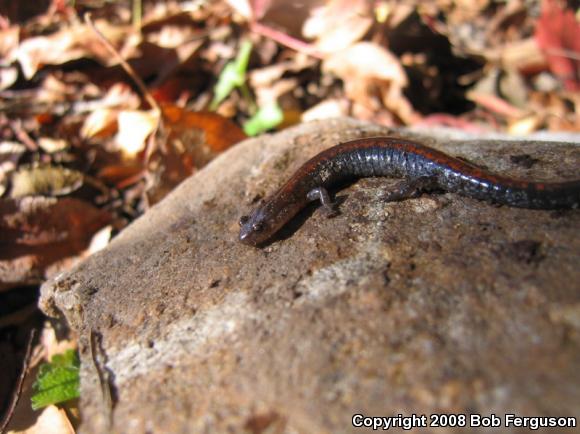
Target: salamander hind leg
column 320, row 193
column 411, row 188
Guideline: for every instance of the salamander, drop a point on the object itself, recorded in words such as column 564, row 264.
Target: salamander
column 422, row 168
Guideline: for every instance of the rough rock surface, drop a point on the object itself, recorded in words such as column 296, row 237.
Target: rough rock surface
column 436, row 304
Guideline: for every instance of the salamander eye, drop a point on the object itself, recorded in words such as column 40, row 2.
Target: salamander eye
column 243, row 220
column 257, row 227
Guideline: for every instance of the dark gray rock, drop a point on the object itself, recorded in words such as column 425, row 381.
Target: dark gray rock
column 436, row 304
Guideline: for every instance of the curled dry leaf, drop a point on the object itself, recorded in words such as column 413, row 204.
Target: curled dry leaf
column 45, row 180
column 369, row 70
column 38, row 234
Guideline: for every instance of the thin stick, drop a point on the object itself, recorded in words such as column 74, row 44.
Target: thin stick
column 128, row 69
column 284, row 39
column 18, row 389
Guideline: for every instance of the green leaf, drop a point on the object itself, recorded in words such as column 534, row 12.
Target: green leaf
column 57, row 381
column 233, row 75
column 265, row 119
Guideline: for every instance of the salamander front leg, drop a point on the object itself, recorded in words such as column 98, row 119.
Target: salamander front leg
column 410, row 188
column 320, row 193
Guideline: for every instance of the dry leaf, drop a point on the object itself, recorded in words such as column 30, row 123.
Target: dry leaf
column 52, row 420
column 338, row 24
column 370, row 71
column 33, row 221
column 120, row 174
column 10, row 153
column 523, row 55
column 51, row 344
column 102, row 122
column 100, row 240
column 218, row 132
column 193, row 139
column 9, row 38
column 51, row 145
column 366, row 62
column 242, row 7
column 65, row 45
column 38, row 234
column 135, row 126
column 8, row 76
column 329, row 108
column 526, row 125
column 46, row 181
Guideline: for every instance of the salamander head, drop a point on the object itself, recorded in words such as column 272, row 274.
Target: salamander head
column 256, row 227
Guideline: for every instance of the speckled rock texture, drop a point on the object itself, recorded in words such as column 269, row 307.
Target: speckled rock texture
column 435, row 304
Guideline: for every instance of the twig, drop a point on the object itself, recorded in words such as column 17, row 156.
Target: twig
column 570, row 54
column 18, row 389
column 286, row 40
column 128, row 69
column 23, row 136
column 151, row 143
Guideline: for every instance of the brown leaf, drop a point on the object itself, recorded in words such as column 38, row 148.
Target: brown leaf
column 218, row 132
column 65, row 45
column 192, row 140
column 118, row 174
column 36, row 233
